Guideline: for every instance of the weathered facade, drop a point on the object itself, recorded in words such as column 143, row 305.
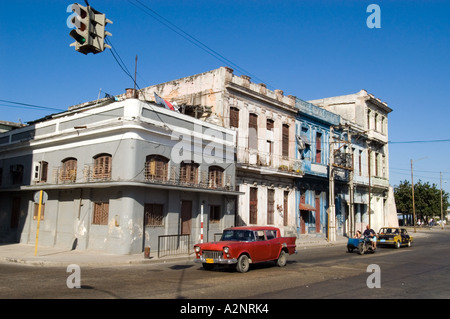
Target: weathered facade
column 264, row 122
column 117, row 175
column 364, row 119
column 121, row 173
column 313, row 136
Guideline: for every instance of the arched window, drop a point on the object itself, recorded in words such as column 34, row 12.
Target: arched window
column 189, row 172
column 102, row 166
column 68, row 170
column 156, row 168
column 215, row 177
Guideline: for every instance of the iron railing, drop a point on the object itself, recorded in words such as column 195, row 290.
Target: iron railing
column 169, row 245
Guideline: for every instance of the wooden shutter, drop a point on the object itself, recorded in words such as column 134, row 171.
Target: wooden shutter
column 253, row 205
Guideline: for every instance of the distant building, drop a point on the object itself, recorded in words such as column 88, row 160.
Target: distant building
column 365, row 118
column 6, row 126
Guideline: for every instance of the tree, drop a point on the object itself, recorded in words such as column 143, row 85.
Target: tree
column 427, row 199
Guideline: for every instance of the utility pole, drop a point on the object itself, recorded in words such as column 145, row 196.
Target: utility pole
column 331, row 208
column 351, row 210
column 370, row 189
column 442, row 207
column 414, row 206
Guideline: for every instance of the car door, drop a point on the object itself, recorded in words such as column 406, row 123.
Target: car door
column 274, row 244
column 260, row 248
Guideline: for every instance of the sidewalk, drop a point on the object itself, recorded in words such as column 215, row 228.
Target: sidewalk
column 60, row 257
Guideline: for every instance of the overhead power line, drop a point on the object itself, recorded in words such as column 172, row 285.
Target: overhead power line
column 415, row 142
column 152, row 13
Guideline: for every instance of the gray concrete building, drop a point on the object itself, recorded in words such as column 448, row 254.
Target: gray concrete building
column 118, row 175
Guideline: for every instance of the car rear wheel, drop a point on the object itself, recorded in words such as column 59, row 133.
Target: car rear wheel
column 282, row 260
column 243, row 264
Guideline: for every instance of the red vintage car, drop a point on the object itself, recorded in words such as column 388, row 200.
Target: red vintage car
column 242, row 246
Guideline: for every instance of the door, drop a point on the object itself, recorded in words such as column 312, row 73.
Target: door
column 253, row 205
column 317, row 214
column 186, row 217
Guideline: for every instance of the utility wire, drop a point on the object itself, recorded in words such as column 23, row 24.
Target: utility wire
column 149, row 11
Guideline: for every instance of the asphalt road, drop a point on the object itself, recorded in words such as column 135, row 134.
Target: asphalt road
column 421, row 271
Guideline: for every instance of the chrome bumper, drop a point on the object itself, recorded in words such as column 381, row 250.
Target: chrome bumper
column 204, row 260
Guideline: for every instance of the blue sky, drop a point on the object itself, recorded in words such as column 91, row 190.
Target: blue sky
column 310, row 49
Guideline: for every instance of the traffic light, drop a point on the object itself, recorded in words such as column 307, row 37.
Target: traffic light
column 99, row 22
column 81, row 32
column 89, row 32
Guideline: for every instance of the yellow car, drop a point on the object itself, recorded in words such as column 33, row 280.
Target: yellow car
column 394, row 236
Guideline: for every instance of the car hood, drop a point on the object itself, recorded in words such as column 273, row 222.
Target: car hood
column 218, row 245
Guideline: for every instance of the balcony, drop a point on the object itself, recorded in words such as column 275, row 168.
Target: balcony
column 268, row 163
column 212, row 179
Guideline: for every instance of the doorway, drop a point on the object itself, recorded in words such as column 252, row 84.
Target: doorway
column 186, row 217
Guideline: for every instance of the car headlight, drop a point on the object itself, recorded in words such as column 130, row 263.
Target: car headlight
column 226, row 250
column 197, row 249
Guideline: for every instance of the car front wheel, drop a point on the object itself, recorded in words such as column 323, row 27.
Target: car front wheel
column 243, row 264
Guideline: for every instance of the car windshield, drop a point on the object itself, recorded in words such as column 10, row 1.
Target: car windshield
column 238, row 235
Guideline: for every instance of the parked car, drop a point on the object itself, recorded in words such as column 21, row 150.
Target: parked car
column 394, row 236
column 241, row 246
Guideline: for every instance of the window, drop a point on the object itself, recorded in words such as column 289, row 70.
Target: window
column 253, row 205
column 17, row 174
column 234, row 117
column 156, row 168
column 269, row 124
column 214, row 214
column 40, row 172
column 253, row 131
column 154, row 215
column 360, row 163
column 270, row 206
column 102, row 166
column 36, row 211
column 285, row 141
column 101, row 213
column 68, row 170
column 189, row 173
column 215, row 177
column 318, row 148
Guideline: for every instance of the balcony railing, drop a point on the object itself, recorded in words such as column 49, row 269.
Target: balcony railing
column 203, row 179
column 268, row 161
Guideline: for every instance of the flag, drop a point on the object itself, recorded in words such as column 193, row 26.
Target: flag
column 159, row 100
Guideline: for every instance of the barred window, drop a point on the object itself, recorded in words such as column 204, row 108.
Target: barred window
column 101, row 212
column 189, row 172
column 153, row 215
column 69, row 170
column 214, row 214
column 102, row 166
column 215, row 177
column 156, row 168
